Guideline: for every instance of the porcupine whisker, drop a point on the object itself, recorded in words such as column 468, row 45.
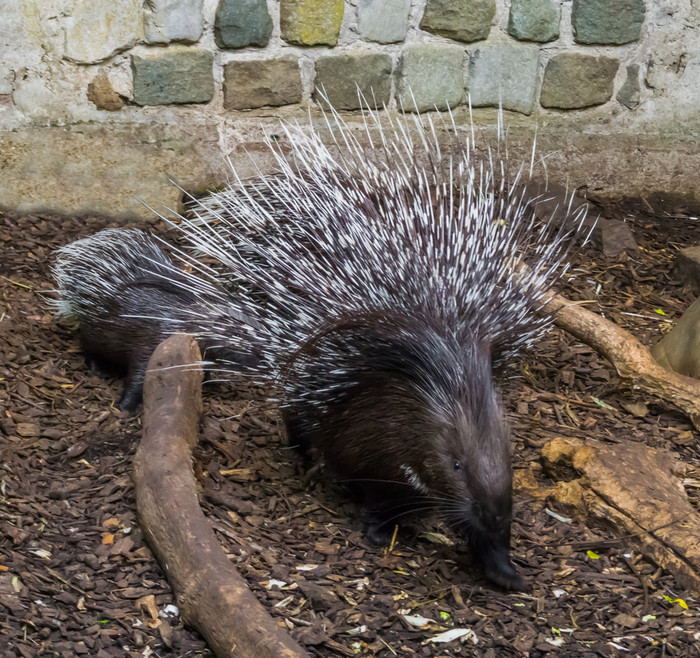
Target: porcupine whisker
column 408, row 512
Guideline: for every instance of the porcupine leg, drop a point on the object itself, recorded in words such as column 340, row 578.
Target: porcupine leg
column 98, row 367
column 493, row 556
column 379, row 527
column 132, row 394
column 380, row 518
column 296, row 433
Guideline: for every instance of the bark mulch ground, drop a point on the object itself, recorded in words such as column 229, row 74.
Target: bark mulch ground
column 77, row 579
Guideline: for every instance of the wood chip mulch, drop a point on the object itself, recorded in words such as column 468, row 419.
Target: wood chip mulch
column 77, row 579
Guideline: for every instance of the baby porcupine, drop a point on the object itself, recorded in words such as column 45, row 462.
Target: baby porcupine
column 379, row 280
column 124, row 295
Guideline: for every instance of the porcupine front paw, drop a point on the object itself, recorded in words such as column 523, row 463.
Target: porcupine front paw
column 378, row 529
column 500, row 570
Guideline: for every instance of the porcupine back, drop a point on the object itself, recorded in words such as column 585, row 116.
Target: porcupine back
column 125, row 295
column 384, row 222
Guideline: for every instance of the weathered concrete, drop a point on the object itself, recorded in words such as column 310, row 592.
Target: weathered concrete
column 172, row 20
column 430, row 76
column 504, row 73
column 462, row 20
column 92, row 169
column 575, row 81
column 256, row 83
column 339, row 77
column 95, row 168
column 383, row 21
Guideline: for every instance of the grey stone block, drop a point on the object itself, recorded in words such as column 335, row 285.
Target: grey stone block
column 383, row 21
column 255, row 83
column 462, row 20
column 603, row 21
column 178, row 76
column 534, row 20
column 687, row 267
column 574, row 81
column 431, row 76
column 240, row 23
column 172, row 20
column 504, row 73
column 629, row 93
column 339, row 77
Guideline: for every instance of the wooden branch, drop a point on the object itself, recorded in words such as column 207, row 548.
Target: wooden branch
column 212, row 596
column 632, row 360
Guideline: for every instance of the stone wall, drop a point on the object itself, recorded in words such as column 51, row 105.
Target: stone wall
column 101, row 101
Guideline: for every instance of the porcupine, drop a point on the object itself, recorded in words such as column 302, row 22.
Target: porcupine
column 125, row 295
column 391, row 289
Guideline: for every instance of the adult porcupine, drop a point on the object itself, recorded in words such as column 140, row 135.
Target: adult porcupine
column 125, row 296
column 381, row 285
column 392, row 285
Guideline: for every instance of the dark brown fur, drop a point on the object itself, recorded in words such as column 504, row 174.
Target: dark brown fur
column 119, row 339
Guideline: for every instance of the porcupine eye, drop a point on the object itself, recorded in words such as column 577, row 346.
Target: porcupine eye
column 458, row 466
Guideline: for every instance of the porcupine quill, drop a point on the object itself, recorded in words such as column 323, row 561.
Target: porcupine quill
column 379, row 286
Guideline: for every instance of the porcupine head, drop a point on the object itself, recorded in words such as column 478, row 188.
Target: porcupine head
column 415, row 424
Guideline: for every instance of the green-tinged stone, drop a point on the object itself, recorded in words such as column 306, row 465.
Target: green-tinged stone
column 534, row 20
column 605, row 21
column 462, row 20
column 340, row 77
column 255, row 83
column 573, row 81
column 431, row 76
column 504, row 74
column 629, row 93
column 182, row 76
column 311, row 22
column 241, row 23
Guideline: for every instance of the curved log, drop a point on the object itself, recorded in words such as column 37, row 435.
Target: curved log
column 212, row 596
column 632, row 360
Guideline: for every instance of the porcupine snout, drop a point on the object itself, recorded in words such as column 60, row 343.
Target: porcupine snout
column 489, row 541
column 477, row 439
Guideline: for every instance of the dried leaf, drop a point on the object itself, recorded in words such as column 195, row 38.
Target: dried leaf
column 454, row 634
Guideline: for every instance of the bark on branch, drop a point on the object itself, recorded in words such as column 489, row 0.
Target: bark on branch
column 212, row 596
column 632, row 360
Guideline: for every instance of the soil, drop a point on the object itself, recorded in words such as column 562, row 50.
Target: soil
column 77, row 579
